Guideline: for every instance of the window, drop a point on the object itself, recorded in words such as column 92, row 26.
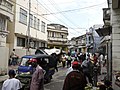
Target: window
column 38, row 22
column 36, row 44
column 62, row 36
column 2, row 23
column 42, row 44
column 21, row 42
column 76, row 42
column 35, row 19
column 31, row 20
column 0, row 2
column 43, row 27
column 23, row 16
column 52, row 34
column 48, row 34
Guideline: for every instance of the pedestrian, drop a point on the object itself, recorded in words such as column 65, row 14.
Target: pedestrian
column 74, row 80
column 10, row 61
column 69, row 59
column 37, row 82
column 54, row 56
column 12, row 83
column 101, row 63
column 14, row 57
column 95, row 59
column 63, row 61
column 71, row 69
column 105, row 59
column 87, row 67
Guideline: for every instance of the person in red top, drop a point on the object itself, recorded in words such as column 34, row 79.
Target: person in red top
column 75, row 80
column 95, row 59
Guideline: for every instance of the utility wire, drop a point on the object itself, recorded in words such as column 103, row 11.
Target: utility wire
column 59, row 19
column 65, row 16
column 57, row 8
column 40, row 14
column 31, row 10
column 74, row 9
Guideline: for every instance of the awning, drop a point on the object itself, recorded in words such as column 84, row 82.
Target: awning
column 104, row 31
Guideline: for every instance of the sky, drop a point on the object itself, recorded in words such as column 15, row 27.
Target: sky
column 77, row 15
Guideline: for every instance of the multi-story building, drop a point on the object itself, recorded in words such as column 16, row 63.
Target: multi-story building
column 112, row 29
column 105, row 31
column 115, row 22
column 78, row 43
column 93, row 39
column 57, row 36
column 6, row 14
column 28, row 29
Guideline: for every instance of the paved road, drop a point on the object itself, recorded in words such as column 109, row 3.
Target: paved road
column 57, row 81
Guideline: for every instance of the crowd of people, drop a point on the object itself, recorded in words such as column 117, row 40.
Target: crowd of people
column 85, row 67
column 37, row 81
column 80, row 72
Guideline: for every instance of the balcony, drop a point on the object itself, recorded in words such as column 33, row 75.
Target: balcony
column 106, row 16
column 6, row 8
column 57, row 39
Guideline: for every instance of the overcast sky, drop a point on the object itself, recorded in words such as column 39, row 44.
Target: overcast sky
column 77, row 15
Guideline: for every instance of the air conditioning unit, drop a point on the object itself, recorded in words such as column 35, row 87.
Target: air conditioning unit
column 31, row 44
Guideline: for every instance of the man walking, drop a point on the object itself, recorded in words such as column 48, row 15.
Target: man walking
column 88, row 68
column 12, row 83
column 69, row 59
column 14, row 57
column 37, row 82
column 74, row 80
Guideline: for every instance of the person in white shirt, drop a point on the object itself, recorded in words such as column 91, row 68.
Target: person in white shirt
column 12, row 83
column 101, row 63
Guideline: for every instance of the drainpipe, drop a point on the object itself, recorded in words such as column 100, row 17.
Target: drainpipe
column 109, row 60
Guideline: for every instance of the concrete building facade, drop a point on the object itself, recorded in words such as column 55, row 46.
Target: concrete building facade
column 115, row 22
column 93, row 39
column 111, row 31
column 78, row 43
column 27, row 22
column 6, row 15
column 57, row 36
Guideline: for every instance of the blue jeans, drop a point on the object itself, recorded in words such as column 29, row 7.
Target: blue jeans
column 14, row 61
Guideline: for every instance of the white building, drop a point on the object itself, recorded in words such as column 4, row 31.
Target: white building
column 57, row 36
column 19, row 31
column 6, row 14
column 78, row 43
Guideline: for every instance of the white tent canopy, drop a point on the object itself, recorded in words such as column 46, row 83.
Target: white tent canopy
column 54, row 50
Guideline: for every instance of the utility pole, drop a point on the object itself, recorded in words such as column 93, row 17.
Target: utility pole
column 87, row 43
column 28, row 42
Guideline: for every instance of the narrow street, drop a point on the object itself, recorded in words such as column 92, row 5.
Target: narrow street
column 57, row 81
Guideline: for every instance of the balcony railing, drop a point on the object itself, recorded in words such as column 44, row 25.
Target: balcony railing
column 57, row 39
column 6, row 8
